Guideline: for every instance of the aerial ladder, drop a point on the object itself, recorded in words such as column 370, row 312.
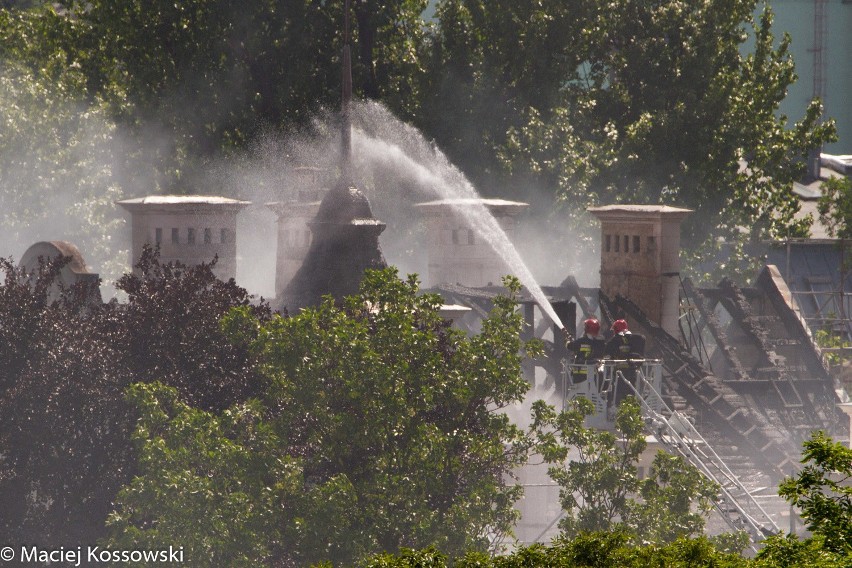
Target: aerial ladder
column 675, row 432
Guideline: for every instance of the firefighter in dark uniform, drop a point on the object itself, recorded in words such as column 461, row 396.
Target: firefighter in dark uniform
column 625, row 346
column 588, row 349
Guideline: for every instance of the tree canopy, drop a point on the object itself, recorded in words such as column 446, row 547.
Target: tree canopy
column 381, row 407
column 835, row 207
column 64, row 426
column 380, row 429
column 677, row 104
column 822, row 492
column 666, row 102
column 57, row 156
column 599, row 485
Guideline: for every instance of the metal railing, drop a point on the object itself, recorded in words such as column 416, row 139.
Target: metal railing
column 597, row 383
column 607, row 382
column 678, row 435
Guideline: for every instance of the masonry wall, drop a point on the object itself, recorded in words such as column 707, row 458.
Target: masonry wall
column 640, row 258
column 190, row 238
column 457, row 255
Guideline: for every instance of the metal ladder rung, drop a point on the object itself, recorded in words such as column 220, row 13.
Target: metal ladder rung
column 737, row 506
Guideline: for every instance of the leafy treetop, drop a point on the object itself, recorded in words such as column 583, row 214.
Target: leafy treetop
column 387, row 420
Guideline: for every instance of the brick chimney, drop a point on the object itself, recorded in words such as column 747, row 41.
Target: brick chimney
column 457, row 255
column 640, row 258
column 189, row 229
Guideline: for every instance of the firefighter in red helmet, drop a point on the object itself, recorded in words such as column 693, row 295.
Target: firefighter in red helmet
column 624, row 345
column 588, row 349
column 628, row 349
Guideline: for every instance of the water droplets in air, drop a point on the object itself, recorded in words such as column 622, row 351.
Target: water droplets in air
column 380, row 139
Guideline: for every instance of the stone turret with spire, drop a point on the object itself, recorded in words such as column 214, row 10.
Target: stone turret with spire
column 345, row 235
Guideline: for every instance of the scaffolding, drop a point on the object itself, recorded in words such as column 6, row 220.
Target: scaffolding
column 820, row 293
column 818, row 49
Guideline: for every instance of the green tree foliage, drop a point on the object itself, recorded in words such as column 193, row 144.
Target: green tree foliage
column 172, row 334
column 200, row 78
column 595, row 487
column 56, row 156
column 490, row 62
column 781, row 551
column 829, row 339
column 189, row 82
column 605, row 550
column 376, row 397
column 675, row 500
column 390, row 40
column 60, row 411
column 602, row 550
column 660, row 102
column 64, row 426
column 224, row 487
column 664, row 102
column 429, row 469
column 20, row 4
column 599, row 485
column 822, row 493
column 835, row 207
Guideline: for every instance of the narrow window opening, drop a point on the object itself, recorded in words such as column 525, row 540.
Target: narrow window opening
column 626, row 243
column 471, row 238
column 208, row 236
column 176, row 236
column 607, row 242
column 158, row 235
column 636, row 241
column 617, row 243
column 190, row 236
column 455, row 236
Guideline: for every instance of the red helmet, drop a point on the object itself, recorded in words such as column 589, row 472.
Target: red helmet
column 592, row 326
column 619, row 325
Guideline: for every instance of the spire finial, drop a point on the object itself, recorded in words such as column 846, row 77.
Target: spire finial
column 346, row 126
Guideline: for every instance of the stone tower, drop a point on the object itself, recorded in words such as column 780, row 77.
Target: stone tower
column 640, row 258
column 345, row 235
column 456, row 254
column 294, row 217
column 189, row 229
column 345, row 242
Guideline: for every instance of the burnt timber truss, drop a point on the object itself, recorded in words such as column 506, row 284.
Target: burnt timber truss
column 761, row 349
column 745, row 367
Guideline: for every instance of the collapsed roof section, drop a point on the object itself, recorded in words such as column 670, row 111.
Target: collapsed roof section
column 744, row 366
column 750, row 374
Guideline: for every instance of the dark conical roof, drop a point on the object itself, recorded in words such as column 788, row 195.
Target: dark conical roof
column 345, row 235
column 345, row 242
column 343, row 204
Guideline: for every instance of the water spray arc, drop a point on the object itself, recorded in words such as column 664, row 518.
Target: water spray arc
column 452, row 186
column 344, row 232
column 436, row 173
